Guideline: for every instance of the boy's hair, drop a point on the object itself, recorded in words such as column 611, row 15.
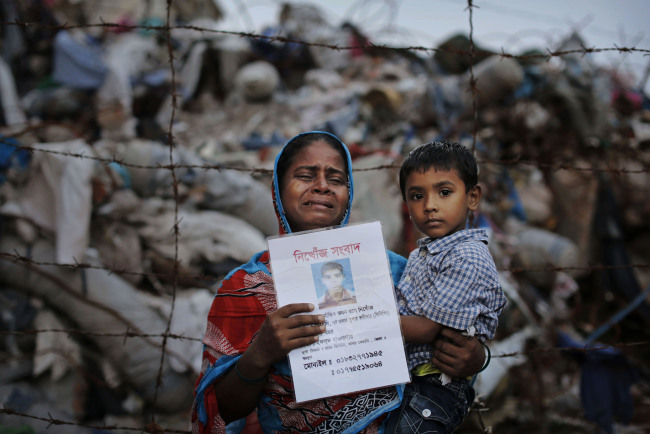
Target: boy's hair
column 331, row 266
column 440, row 155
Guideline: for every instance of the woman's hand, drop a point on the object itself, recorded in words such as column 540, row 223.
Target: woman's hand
column 457, row 355
column 280, row 333
column 283, row 331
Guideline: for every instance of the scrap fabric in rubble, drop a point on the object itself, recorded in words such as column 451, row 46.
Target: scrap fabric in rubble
column 129, row 189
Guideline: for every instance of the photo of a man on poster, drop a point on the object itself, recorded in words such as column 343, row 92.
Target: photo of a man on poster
column 346, row 272
column 333, row 281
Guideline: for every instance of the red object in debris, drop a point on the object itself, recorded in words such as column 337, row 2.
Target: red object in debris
column 626, row 101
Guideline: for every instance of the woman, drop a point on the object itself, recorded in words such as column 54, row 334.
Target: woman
column 245, row 365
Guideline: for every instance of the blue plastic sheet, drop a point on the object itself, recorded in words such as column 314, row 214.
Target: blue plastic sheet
column 605, row 382
column 77, row 65
column 11, row 156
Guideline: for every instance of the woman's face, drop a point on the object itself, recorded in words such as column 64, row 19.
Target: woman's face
column 314, row 189
column 332, row 279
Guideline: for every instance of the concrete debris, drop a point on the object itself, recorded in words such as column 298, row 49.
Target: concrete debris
column 121, row 212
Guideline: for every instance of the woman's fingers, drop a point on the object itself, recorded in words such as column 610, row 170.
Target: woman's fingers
column 303, row 336
column 284, row 330
column 299, row 330
column 302, row 321
column 293, row 308
column 442, row 357
column 456, row 355
column 287, row 318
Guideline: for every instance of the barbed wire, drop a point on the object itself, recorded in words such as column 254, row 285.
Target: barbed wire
column 152, row 427
column 583, row 349
column 176, row 274
column 472, row 78
column 263, row 171
column 548, row 52
column 175, row 187
column 20, row 259
column 129, row 334
column 125, row 335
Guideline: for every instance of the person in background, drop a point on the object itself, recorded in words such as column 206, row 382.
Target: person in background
column 245, row 367
column 450, row 280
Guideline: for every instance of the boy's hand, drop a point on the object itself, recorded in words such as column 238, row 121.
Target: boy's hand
column 456, row 355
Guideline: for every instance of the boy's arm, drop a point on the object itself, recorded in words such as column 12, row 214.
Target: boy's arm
column 419, row 329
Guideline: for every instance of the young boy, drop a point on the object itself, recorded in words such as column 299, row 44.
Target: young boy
column 450, row 280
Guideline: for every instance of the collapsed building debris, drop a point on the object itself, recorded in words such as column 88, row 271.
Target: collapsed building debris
column 127, row 193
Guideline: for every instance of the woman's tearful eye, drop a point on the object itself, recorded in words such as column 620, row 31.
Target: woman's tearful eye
column 304, row 176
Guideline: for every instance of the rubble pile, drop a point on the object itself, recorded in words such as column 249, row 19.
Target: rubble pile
column 129, row 187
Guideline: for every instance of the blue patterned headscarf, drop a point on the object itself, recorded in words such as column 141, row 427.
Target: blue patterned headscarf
column 277, row 200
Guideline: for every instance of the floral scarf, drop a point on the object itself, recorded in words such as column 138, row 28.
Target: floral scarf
column 238, row 310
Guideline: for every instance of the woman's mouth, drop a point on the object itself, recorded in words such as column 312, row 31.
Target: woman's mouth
column 314, row 204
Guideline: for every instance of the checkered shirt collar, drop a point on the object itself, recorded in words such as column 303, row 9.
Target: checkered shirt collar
column 438, row 245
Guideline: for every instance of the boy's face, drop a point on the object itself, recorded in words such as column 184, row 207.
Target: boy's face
column 438, row 203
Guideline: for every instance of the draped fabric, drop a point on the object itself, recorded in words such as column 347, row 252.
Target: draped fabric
column 239, row 308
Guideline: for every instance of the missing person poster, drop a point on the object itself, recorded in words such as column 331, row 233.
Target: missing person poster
column 344, row 272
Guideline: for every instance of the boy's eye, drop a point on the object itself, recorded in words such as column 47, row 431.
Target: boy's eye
column 416, row 196
column 445, row 192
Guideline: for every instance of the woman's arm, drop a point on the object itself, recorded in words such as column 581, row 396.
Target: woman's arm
column 279, row 334
column 457, row 355
column 454, row 353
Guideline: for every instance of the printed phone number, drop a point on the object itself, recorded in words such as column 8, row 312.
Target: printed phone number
column 357, row 368
column 358, row 357
column 355, row 358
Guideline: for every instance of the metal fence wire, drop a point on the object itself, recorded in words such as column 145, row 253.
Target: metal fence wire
column 126, row 187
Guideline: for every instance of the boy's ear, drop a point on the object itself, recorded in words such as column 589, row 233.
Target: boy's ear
column 474, row 197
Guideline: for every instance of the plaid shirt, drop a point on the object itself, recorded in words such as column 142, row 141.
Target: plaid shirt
column 453, row 281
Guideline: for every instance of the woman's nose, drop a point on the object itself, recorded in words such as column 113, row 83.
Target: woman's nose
column 321, row 184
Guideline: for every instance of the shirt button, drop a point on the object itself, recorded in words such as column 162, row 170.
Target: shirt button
column 402, row 302
column 426, row 412
column 423, row 253
column 407, row 278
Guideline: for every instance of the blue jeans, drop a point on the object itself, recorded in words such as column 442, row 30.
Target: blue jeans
column 430, row 407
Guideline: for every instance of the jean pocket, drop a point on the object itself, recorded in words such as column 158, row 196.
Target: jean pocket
column 430, row 410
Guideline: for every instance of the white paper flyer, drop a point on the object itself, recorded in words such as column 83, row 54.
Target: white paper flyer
column 344, row 273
